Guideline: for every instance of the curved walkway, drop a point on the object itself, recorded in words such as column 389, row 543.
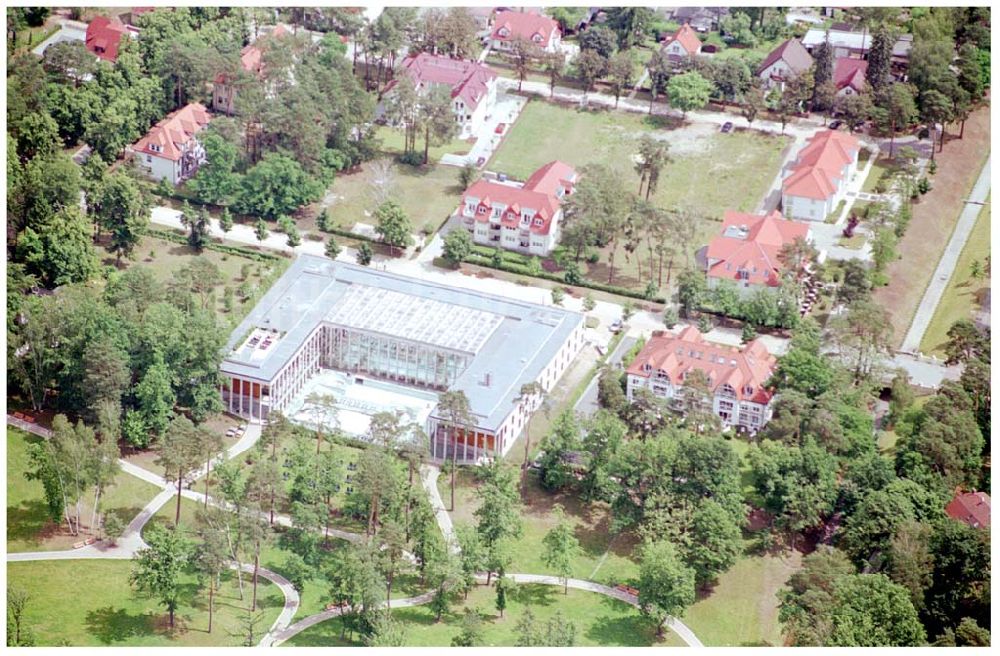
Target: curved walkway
column 131, row 541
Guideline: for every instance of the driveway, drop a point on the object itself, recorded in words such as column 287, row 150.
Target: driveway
column 69, row 31
column 587, row 404
column 508, row 107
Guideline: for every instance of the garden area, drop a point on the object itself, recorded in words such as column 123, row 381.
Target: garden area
column 598, row 620
column 709, row 172
column 29, row 527
column 964, row 295
column 93, row 605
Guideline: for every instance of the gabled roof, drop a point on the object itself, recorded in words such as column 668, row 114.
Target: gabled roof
column 173, row 132
column 793, row 53
column 973, row 508
column 752, row 243
column 542, row 193
column 687, row 37
column 252, row 55
column 104, row 35
column 524, row 25
column 849, row 72
column 468, row 80
column 746, row 370
column 820, row 165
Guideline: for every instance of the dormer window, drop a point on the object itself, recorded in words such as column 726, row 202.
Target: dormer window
column 538, row 222
column 503, row 32
column 155, row 148
column 647, row 367
column 537, row 38
column 748, row 390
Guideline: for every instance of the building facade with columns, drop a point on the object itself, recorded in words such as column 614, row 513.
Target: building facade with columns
column 382, row 338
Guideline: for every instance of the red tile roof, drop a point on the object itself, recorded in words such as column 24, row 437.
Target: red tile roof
column 173, row 132
column 252, row 56
column 820, row 165
column 746, row 370
column 104, row 35
column 468, row 79
column 794, row 54
column 687, row 37
column 516, row 24
column 849, row 72
column 540, row 193
column 973, row 508
column 752, row 244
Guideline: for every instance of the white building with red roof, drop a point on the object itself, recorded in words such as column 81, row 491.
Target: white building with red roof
column 519, row 217
column 819, row 177
column 849, row 75
column 171, row 149
column 473, row 86
column 252, row 62
column 508, row 26
column 681, row 44
column 785, row 62
column 737, row 377
column 748, row 251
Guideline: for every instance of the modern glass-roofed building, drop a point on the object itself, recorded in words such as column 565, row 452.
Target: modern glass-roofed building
column 379, row 341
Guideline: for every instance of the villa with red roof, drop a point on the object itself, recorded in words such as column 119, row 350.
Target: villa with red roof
column 748, row 251
column 170, row 149
column 251, row 61
column 508, row 26
column 849, row 75
column 788, row 60
column 104, row 35
column 681, row 44
column 737, row 377
column 473, row 86
column 973, row 508
column 519, row 217
column 819, row 177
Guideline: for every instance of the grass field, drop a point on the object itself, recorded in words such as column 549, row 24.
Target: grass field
column 933, row 222
column 710, row 172
column 92, row 604
column 742, row 608
column 599, row 621
column 881, row 166
column 963, row 295
column 164, row 257
column 392, row 141
column 428, row 195
column 28, row 525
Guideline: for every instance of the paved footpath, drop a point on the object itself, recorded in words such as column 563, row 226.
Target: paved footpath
column 946, row 266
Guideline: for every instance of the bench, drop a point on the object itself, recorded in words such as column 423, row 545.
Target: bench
column 18, row 415
column 90, row 541
column 80, row 545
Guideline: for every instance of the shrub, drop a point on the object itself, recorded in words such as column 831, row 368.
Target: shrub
column 704, row 323
column 670, row 317
column 412, row 159
column 924, row 185
column 365, row 254
column 113, row 528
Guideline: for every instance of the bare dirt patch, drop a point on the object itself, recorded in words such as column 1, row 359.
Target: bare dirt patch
column 934, row 219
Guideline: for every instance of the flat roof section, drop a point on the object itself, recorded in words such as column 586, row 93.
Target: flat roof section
column 514, row 341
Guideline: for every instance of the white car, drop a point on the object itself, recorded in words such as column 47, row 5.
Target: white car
column 616, row 326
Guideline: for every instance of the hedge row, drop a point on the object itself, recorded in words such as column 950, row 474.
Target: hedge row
column 351, row 235
column 555, row 277
column 213, row 245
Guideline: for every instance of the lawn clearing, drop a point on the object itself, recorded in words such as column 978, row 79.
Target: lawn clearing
column 29, row 527
column 428, row 195
column 164, row 257
column 933, row 223
column 882, row 166
column 392, row 142
column 742, row 608
column 854, row 242
column 963, row 296
column 710, row 172
column 90, row 603
column 599, row 620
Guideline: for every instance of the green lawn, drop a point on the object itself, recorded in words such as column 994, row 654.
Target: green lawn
column 883, row 165
column 599, row 621
column 604, row 556
column 963, row 295
column 90, row 603
column 392, row 142
column 28, row 525
column 164, row 257
column 855, row 242
column 731, row 171
column 429, row 195
column 742, row 608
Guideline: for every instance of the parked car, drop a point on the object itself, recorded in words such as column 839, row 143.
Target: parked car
column 480, row 162
column 616, row 326
column 501, row 127
column 835, row 125
column 727, row 127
